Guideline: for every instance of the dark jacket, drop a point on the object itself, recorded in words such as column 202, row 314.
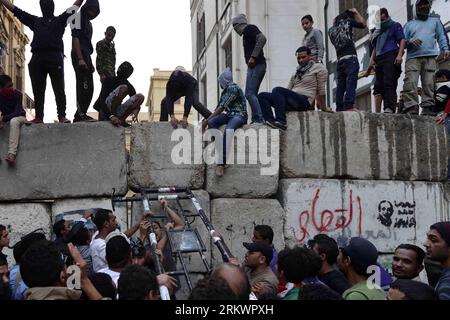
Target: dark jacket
column 11, row 108
column 48, row 32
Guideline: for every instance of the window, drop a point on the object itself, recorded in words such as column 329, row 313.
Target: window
column 201, row 35
column 361, row 6
column 18, row 82
column 228, row 54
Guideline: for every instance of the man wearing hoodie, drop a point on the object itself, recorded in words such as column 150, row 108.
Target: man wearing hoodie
column 232, row 102
column 254, row 42
column 82, row 50
column 421, row 35
column 114, row 90
column 47, row 48
column 181, row 84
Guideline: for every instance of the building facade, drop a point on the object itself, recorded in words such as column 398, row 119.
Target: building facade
column 216, row 45
column 12, row 53
column 157, row 92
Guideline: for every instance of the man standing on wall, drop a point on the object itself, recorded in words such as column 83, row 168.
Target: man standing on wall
column 421, row 35
column 341, row 35
column 106, row 55
column 82, row 50
column 48, row 53
column 254, row 42
column 389, row 48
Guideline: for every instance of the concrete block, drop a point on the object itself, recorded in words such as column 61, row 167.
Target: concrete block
column 193, row 261
column 388, row 213
column 253, row 171
column 71, row 205
column 235, row 219
column 65, row 161
column 363, row 146
column 22, row 219
column 151, row 163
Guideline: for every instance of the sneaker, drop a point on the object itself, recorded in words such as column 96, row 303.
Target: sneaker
column 277, row 125
column 126, row 124
column 388, row 111
column 63, row 120
column 85, row 118
column 428, row 112
column 220, row 170
column 11, row 159
column 37, row 121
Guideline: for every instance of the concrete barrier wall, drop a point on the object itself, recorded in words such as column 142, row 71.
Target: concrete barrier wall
column 235, row 219
column 363, row 146
column 253, row 172
column 386, row 213
column 65, row 161
column 151, row 163
column 22, row 219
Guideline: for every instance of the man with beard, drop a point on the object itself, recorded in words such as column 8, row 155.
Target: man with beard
column 82, row 50
column 306, row 84
column 438, row 249
column 47, row 48
column 421, row 58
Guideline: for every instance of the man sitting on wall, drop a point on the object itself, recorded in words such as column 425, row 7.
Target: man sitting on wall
column 308, row 82
column 114, row 90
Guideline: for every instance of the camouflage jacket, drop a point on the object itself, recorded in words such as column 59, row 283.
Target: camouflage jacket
column 106, row 58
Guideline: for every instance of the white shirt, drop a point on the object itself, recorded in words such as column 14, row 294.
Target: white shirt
column 98, row 253
column 113, row 274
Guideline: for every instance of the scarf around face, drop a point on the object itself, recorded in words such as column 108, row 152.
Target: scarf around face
column 301, row 70
column 381, row 34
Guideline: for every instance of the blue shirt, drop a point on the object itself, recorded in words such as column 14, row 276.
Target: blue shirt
column 443, row 285
column 21, row 288
column 431, row 32
column 274, row 262
column 395, row 35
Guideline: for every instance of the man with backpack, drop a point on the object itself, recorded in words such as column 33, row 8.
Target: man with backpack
column 341, row 36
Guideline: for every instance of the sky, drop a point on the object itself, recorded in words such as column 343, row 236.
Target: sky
column 150, row 34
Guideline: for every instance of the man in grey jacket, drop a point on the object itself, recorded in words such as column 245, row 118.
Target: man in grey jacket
column 254, row 42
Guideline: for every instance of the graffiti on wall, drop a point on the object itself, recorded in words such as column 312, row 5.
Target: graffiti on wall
column 354, row 218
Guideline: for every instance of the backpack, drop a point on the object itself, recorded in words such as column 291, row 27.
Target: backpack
column 340, row 35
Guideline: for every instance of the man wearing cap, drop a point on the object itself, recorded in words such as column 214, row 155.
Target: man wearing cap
column 181, row 84
column 254, row 41
column 257, row 263
column 354, row 261
column 438, row 248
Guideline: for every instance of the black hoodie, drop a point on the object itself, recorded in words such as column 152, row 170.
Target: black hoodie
column 48, row 30
column 84, row 33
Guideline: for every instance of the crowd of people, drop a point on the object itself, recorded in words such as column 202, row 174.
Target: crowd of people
column 121, row 266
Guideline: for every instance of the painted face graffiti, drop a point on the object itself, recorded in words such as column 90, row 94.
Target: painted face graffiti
column 386, row 211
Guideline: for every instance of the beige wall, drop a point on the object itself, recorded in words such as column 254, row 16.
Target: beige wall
column 157, row 92
column 12, row 59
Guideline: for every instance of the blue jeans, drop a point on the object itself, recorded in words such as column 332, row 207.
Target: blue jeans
column 282, row 100
column 254, row 78
column 347, row 81
column 233, row 123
